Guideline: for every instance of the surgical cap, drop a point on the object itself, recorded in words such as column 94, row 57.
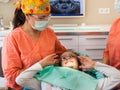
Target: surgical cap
column 33, row 6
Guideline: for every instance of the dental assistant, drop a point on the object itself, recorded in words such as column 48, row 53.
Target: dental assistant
column 30, row 41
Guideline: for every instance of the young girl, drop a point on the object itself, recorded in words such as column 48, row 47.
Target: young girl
column 48, row 78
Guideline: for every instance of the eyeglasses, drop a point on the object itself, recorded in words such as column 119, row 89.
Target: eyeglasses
column 63, row 58
column 41, row 17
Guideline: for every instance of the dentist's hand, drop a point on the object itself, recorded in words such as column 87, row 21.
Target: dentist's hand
column 87, row 63
column 49, row 60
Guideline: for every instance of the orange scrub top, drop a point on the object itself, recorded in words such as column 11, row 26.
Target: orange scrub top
column 20, row 52
column 113, row 45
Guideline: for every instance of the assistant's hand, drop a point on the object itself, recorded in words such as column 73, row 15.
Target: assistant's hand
column 49, row 60
column 87, row 63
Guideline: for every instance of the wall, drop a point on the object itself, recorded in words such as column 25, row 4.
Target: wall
column 92, row 16
column 7, row 11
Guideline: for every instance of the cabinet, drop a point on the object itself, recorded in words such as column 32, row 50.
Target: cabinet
column 70, row 42
column 92, row 45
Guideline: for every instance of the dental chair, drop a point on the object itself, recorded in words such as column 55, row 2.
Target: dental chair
column 1, row 72
column 2, row 79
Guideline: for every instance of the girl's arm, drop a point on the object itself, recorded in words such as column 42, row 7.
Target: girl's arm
column 25, row 78
column 112, row 78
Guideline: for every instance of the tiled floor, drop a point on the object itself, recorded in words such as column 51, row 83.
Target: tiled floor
column 2, row 83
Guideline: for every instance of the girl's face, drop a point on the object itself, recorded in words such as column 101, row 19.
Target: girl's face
column 69, row 59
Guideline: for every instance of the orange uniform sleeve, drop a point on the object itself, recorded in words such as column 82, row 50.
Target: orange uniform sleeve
column 114, row 30
column 106, row 51
column 59, row 48
column 11, row 62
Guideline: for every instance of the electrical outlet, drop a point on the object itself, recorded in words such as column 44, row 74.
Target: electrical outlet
column 100, row 10
column 104, row 10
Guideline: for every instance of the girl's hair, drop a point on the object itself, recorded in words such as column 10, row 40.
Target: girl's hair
column 77, row 54
column 19, row 18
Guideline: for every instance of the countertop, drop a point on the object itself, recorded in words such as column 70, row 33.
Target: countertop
column 5, row 31
column 82, row 30
column 79, row 30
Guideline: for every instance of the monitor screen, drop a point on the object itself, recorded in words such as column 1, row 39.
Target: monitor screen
column 67, row 8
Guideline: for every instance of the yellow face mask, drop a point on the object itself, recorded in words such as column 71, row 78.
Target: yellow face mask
column 33, row 6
